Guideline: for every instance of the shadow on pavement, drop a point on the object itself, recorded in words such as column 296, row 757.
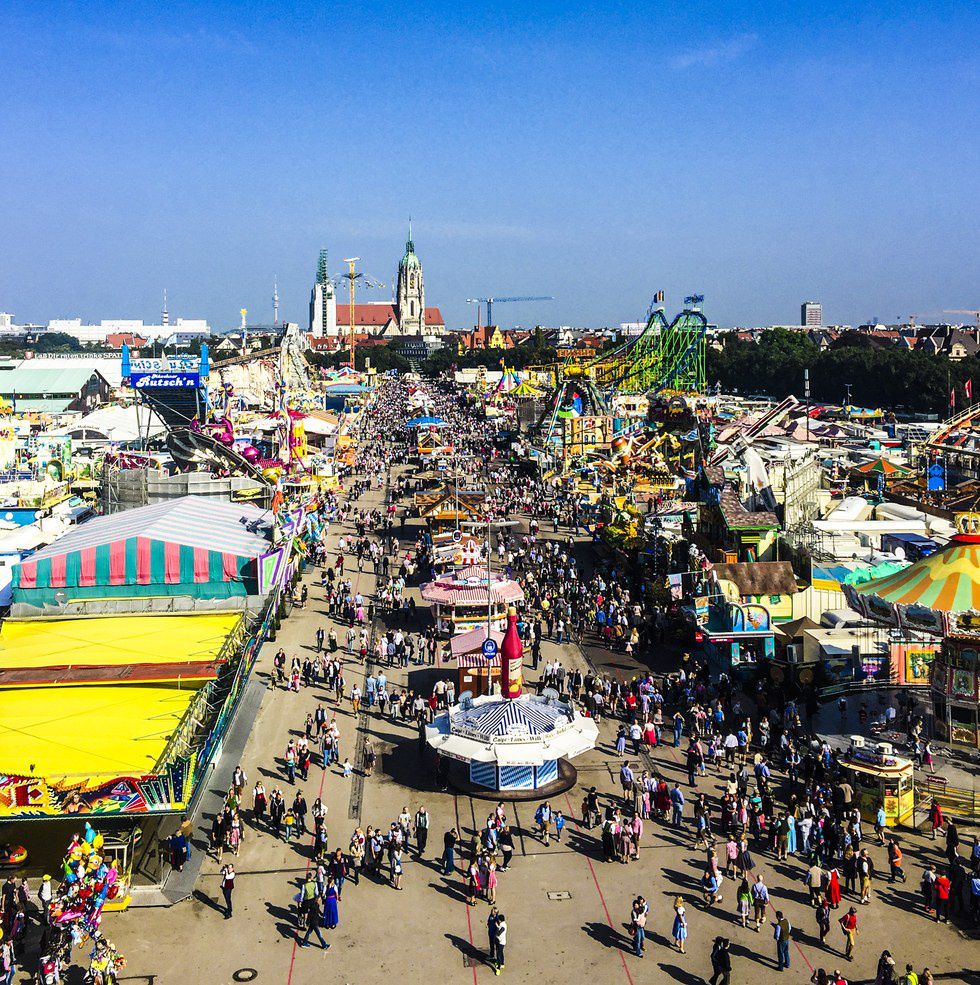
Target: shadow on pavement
column 607, row 936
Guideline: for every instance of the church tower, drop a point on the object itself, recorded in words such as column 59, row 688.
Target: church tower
column 411, row 291
column 323, row 302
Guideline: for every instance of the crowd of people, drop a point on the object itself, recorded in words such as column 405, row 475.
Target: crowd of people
column 759, row 785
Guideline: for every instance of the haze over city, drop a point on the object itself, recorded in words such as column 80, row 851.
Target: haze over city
column 758, row 154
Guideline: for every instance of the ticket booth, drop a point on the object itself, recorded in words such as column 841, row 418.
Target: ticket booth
column 477, row 673
column 878, row 776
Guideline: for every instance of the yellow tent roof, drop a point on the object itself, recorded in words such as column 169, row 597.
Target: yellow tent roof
column 90, row 731
column 113, row 641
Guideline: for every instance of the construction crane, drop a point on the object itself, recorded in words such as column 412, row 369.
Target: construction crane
column 352, row 277
column 490, row 302
column 964, row 311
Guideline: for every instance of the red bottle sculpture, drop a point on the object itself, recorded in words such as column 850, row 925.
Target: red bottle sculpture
column 511, row 659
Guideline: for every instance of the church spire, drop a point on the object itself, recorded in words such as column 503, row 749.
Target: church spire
column 410, row 245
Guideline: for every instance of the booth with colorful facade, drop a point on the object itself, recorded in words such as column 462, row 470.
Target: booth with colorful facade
column 460, row 601
column 939, row 598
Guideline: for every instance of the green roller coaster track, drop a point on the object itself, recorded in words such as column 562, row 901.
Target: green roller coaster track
column 665, row 356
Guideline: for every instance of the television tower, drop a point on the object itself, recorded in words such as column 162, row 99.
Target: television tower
column 165, row 314
column 275, row 301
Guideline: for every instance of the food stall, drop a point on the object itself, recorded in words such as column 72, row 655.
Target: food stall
column 878, row 777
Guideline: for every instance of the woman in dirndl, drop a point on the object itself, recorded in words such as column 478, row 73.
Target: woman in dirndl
column 833, row 890
column 331, row 909
column 679, row 931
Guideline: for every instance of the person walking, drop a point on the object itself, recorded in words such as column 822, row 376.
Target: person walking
column 781, row 932
column 449, row 840
column 227, row 886
column 676, row 806
column 814, row 882
column 492, row 937
column 848, row 924
column 822, row 914
column 895, row 861
column 942, row 887
column 312, row 917
column 543, row 818
column 505, row 840
column 638, row 921
column 760, row 900
column 743, row 898
column 721, row 962
column 331, row 904
column 396, row 869
column 421, row 829
column 626, row 780
column 865, row 870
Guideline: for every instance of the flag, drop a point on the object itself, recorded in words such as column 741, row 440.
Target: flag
column 952, row 398
column 659, row 297
column 968, row 389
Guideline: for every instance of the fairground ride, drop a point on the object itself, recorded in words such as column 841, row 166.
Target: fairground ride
column 664, row 356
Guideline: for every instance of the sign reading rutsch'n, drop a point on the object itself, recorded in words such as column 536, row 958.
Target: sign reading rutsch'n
column 166, row 371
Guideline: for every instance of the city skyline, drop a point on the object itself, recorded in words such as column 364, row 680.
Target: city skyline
column 758, row 157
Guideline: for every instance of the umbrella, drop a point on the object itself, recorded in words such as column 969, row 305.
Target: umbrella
column 883, row 467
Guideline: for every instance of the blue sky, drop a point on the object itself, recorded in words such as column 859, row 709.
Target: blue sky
column 756, row 153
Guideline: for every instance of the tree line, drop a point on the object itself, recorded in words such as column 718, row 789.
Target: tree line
column 889, row 377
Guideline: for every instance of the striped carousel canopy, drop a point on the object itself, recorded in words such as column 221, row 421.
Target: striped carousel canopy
column 500, row 717
column 947, row 581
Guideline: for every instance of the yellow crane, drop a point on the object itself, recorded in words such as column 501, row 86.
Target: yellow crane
column 352, row 277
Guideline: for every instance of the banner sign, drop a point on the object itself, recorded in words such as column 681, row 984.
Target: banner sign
column 166, row 371
column 174, row 380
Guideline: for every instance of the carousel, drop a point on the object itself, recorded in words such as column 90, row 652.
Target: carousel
column 511, row 745
column 939, row 597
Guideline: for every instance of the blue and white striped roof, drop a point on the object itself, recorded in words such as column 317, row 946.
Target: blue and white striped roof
column 498, row 718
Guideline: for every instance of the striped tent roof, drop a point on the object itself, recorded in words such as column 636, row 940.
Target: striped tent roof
column 190, row 541
column 498, row 718
column 194, row 521
column 947, row 581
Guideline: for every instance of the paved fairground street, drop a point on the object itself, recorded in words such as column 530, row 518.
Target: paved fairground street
column 570, row 904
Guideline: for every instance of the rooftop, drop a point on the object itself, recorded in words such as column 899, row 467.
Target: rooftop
column 194, row 521
column 47, row 379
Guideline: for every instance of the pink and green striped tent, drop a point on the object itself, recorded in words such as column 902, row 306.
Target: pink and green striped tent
column 190, row 546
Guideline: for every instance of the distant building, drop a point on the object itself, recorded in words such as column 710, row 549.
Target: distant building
column 381, row 318
column 406, row 315
column 811, row 314
column 411, row 292
column 416, row 348
column 116, row 340
column 88, row 334
column 323, row 303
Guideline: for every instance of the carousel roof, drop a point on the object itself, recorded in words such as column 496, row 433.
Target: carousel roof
column 500, row 717
column 947, row 581
column 882, row 466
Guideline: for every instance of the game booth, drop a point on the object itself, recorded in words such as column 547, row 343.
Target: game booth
column 460, row 601
column 736, row 637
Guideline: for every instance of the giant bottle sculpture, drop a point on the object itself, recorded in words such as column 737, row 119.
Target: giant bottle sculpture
column 511, row 659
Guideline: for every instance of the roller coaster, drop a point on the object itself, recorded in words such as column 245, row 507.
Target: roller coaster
column 664, row 356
